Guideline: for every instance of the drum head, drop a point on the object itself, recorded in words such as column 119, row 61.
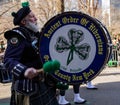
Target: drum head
column 78, row 42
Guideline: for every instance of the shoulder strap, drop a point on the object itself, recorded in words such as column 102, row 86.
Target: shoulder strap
column 24, row 32
column 15, row 31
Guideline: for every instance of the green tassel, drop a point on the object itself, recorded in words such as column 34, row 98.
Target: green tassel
column 51, row 66
column 56, row 64
column 25, row 4
column 47, row 67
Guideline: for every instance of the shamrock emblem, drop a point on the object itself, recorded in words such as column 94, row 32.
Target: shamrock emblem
column 73, row 45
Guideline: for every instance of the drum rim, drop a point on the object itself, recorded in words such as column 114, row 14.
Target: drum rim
column 109, row 38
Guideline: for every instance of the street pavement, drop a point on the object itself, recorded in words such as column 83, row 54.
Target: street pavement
column 108, row 93
column 107, row 82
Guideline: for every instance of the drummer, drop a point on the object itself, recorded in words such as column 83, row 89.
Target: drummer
column 77, row 96
column 22, row 59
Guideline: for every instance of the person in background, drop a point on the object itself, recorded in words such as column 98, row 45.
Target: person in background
column 90, row 86
column 21, row 58
column 77, row 97
column 2, row 46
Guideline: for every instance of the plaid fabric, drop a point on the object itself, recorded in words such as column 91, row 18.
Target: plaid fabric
column 45, row 96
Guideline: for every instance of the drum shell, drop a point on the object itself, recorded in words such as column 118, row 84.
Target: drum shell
column 109, row 40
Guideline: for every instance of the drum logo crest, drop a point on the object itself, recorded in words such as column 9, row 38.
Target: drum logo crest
column 75, row 37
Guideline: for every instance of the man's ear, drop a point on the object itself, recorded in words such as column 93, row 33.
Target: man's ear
column 23, row 22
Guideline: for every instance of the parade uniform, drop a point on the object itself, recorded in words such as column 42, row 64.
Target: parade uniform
column 22, row 53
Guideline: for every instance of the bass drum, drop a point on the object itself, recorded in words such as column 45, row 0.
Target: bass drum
column 79, row 42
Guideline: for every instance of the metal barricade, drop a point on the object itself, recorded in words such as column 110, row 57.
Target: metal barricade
column 113, row 62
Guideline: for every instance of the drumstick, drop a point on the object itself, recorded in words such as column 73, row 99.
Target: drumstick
column 40, row 70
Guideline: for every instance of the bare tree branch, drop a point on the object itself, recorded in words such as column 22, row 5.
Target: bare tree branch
column 8, row 9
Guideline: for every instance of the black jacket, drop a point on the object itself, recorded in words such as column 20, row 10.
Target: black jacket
column 20, row 53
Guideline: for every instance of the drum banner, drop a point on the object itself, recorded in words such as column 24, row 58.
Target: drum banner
column 78, row 42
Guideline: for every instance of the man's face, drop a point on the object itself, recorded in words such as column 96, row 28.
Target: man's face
column 30, row 21
column 31, row 18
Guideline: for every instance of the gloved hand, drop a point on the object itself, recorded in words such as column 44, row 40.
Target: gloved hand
column 62, row 86
column 51, row 66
